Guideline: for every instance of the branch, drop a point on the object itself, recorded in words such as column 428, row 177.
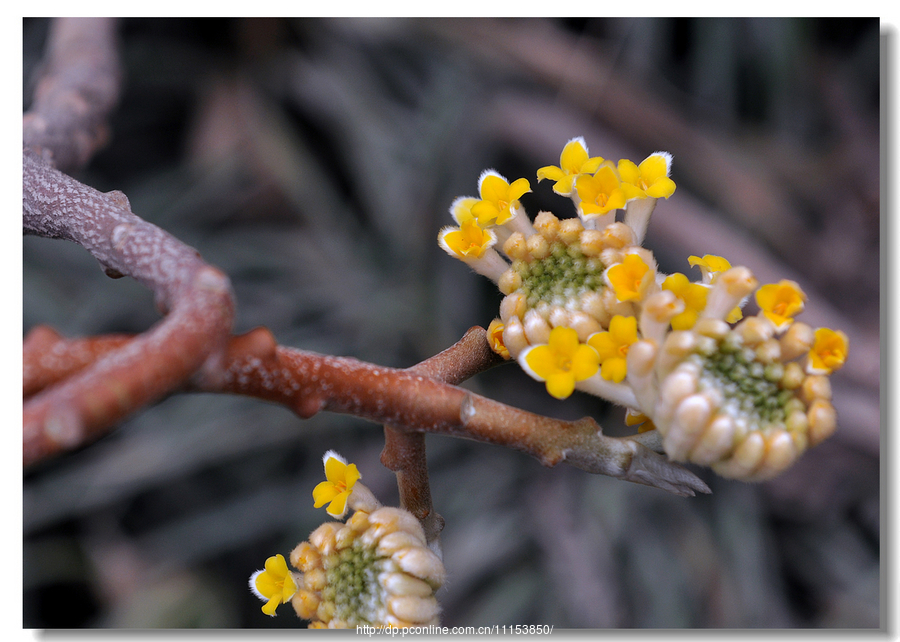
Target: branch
column 404, row 451
column 308, row 383
column 196, row 296
column 78, row 88
column 64, row 127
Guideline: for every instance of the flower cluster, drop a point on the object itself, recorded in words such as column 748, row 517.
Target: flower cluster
column 586, row 308
column 375, row 569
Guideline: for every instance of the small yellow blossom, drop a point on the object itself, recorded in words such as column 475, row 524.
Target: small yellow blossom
column 600, row 193
column 781, row 302
column 639, row 419
column 573, row 161
column 375, row 569
column 649, row 179
column 274, row 585
column 828, row 352
column 461, row 209
column 341, row 478
column 495, row 338
column 630, row 278
column 499, row 198
column 612, row 346
column 469, row 240
column 693, row 295
column 710, row 266
column 561, row 362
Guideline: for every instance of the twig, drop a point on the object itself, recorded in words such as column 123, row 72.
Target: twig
column 196, row 296
column 308, row 383
column 79, row 86
column 63, row 129
column 48, row 358
column 404, row 451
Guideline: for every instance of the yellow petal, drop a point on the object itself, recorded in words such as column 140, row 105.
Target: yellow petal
column 565, row 186
column 661, row 188
column 540, row 361
column 289, row 588
column 685, row 321
column 606, row 179
column 614, row 370
column 564, row 340
column 323, row 493
column 352, row 476
column 461, row 209
column 518, row 188
column 585, row 363
column 561, row 385
column 495, row 338
column 604, row 344
column 629, row 278
column 829, row 350
column 487, row 212
column 653, row 168
column 628, row 171
column 735, row 315
column 335, row 469
column 265, row 584
column 493, row 188
column 551, row 172
column 591, row 165
column 277, row 566
column 270, row 606
column 573, row 156
column 623, row 329
column 338, row 506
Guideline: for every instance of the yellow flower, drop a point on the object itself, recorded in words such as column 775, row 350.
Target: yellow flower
column 639, row 419
column 495, row 338
column 630, row 278
column 693, row 295
column 499, row 198
column 599, row 193
column 650, row 178
column 561, row 362
column 780, row 302
column 469, row 240
column 612, row 346
column 710, row 266
column 572, row 162
column 461, row 209
column 341, row 478
column 374, row 569
column 828, row 352
column 275, row 585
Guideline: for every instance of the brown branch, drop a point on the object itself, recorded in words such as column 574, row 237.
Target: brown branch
column 308, row 383
column 196, row 296
column 48, row 358
column 404, row 451
column 64, row 127
column 79, row 86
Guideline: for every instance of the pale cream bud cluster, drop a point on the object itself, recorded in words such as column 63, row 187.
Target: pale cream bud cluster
column 374, row 569
column 734, row 398
column 746, row 400
column 558, row 278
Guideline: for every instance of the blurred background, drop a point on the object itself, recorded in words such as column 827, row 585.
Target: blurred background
column 314, row 161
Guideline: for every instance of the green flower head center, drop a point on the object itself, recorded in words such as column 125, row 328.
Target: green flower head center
column 750, row 388
column 563, row 275
column 352, row 584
